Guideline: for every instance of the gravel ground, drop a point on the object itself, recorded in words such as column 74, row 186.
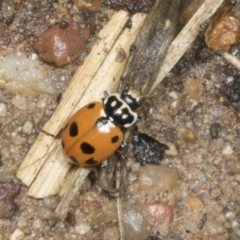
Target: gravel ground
column 192, row 194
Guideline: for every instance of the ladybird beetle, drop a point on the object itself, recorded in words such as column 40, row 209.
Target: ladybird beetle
column 95, row 131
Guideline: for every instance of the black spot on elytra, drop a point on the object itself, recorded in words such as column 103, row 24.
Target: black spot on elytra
column 115, row 139
column 73, row 129
column 87, row 148
column 91, row 105
column 91, row 161
column 74, row 160
column 63, row 145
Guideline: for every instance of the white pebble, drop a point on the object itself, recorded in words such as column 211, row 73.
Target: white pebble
column 82, row 228
column 3, row 110
column 41, row 104
column 227, row 150
column 37, row 224
column 17, row 235
column 20, row 102
column 27, row 127
column 230, row 214
column 172, row 150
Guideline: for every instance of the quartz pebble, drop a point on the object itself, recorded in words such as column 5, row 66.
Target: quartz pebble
column 134, row 222
column 156, row 179
column 3, row 110
column 29, row 77
column 27, row 127
column 227, row 150
column 82, row 228
column 17, row 235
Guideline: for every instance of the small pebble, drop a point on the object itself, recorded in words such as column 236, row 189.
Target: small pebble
column 227, row 150
column 223, row 31
column 17, row 235
column 46, row 213
column 194, row 89
column 90, row 5
column 111, row 234
column 214, row 130
column 190, row 136
column 156, row 179
column 223, row 131
column 26, row 230
column 233, row 166
column 216, row 192
column 3, row 110
column 8, row 192
column 17, row 139
column 134, row 221
column 217, row 210
column 27, row 127
column 22, row 222
column 50, row 202
column 20, row 102
column 135, row 167
column 172, row 151
column 214, row 228
column 132, row 177
column 82, row 228
column 230, row 214
column 37, row 223
column 160, row 211
column 194, row 202
column 61, row 46
column 41, row 104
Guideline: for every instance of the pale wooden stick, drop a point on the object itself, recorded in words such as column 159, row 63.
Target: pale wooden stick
column 232, row 59
column 76, row 178
column 124, row 42
column 186, row 37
